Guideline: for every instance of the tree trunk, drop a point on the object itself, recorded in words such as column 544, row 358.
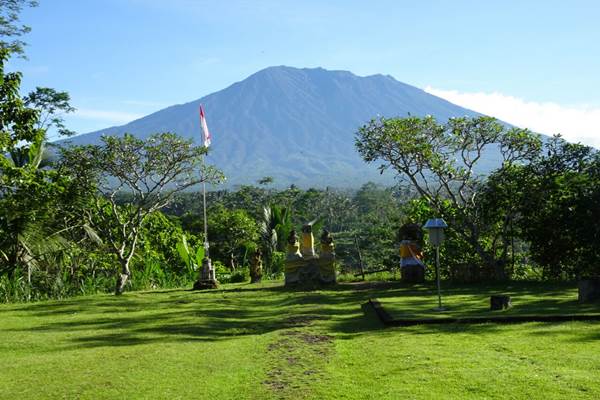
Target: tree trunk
column 122, row 278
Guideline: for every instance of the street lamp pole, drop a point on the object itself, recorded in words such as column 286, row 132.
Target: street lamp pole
column 436, row 227
column 437, row 273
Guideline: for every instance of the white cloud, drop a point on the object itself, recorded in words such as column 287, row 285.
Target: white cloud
column 107, row 116
column 144, row 103
column 574, row 123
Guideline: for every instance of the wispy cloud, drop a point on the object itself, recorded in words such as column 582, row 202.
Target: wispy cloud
column 574, row 123
column 144, row 103
column 107, row 116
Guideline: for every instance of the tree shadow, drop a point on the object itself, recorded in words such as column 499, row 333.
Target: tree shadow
column 223, row 314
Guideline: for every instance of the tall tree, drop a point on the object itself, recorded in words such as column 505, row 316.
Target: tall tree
column 51, row 105
column 440, row 161
column 11, row 30
column 149, row 171
column 555, row 200
column 29, row 194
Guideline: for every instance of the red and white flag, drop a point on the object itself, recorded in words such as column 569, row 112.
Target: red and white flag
column 205, row 133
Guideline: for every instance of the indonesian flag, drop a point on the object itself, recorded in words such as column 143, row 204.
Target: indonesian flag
column 205, row 133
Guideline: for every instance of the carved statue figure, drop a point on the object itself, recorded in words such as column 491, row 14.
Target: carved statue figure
column 307, row 247
column 327, row 258
column 327, row 246
column 256, row 267
column 411, row 254
column 293, row 246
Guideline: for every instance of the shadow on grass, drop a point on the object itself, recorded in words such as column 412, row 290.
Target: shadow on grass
column 223, row 314
column 216, row 315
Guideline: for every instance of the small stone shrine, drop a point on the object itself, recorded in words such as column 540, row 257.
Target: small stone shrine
column 412, row 268
column 303, row 265
column 207, row 278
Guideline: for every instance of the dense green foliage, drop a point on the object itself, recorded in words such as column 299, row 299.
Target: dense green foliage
column 536, row 211
column 553, row 203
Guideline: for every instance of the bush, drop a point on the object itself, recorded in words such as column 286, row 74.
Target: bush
column 240, row 275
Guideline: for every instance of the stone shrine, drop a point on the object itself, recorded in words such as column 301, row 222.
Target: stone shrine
column 303, row 265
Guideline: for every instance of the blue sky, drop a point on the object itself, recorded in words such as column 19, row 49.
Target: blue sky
column 532, row 63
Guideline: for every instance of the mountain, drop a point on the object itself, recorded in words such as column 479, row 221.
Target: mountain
column 296, row 125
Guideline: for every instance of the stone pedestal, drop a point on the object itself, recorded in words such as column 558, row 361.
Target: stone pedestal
column 500, row 302
column 207, row 278
column 413, row 273
column 589, row 290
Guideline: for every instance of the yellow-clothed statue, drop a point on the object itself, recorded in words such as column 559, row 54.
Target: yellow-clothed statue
column 308, row 242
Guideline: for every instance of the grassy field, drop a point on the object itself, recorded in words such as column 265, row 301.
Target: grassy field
column 463, row 301
column 265, row 342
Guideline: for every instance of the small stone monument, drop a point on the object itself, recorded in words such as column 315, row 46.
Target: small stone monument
column 256, row 267
column 500, row 302
column 412, row 268
column 207, row 278
column 589, row 290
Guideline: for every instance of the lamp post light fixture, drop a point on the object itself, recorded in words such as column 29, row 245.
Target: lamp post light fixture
column 435, row 227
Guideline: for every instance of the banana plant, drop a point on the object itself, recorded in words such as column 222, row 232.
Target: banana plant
column 192, row 259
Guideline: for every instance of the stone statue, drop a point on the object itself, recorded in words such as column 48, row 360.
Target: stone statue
column 293, row 246
column 293, row 259
column 256, row 267
column 327, row 258
column 327, row 246
column 307, row 247
column 411, row 255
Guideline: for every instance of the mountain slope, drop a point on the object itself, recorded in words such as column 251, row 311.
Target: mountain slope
column 296, row 125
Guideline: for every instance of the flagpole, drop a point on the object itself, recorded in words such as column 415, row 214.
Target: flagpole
column 207, row 278
column 206, row 246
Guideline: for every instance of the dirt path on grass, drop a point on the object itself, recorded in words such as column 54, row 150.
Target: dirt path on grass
column 297, row 358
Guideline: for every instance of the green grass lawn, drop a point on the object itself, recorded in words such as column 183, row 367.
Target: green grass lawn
column 527, row 298
column 265, row 342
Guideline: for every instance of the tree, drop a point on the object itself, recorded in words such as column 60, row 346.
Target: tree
column 229, row 231
column 266, row 180
column 20, row 142
column 440, row 161
column 275, row 228
column 555, row 200
column 150, row 171
column 51, row 104
column 10, row 29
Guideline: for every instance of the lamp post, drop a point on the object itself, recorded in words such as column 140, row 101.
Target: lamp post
column 435, row 227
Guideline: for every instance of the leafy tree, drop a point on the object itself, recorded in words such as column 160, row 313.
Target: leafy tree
column 23, row 186
column 554, row 201
column 10, row 28
column 379, row 216
column 151, row 171
column 274, row 228
column 51, row 104
column 440, row 161
column 229, row 231
column 264, row 181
